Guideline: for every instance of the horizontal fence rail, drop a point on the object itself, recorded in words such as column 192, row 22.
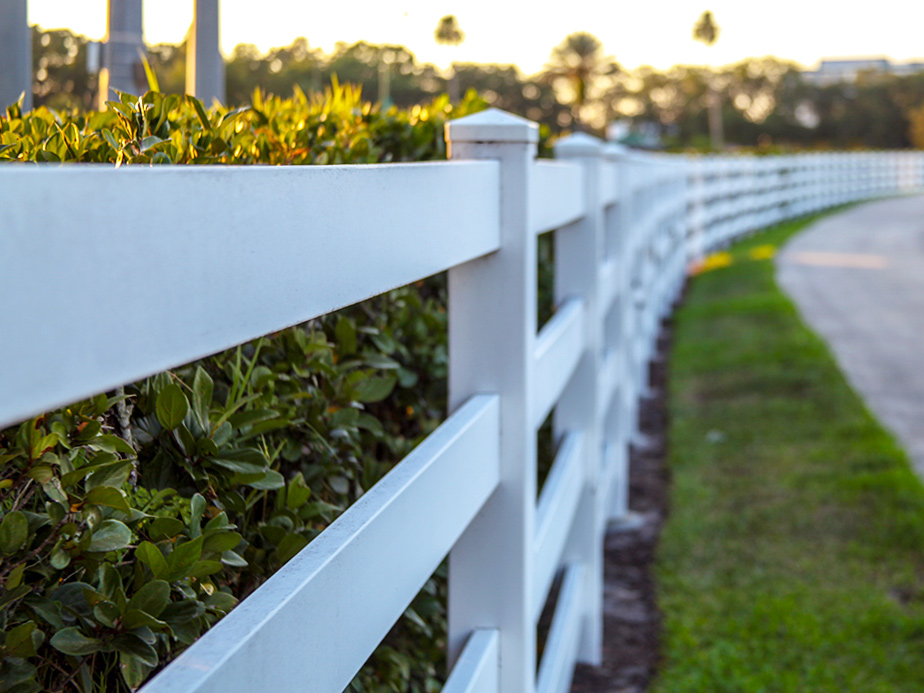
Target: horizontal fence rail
column 336, row 583
column 216, row 256
column 209, row 259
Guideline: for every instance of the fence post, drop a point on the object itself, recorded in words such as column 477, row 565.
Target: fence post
column 205, row 68
column 15, row 54
column 492, row 336
column 621, row 422
column 696, row 200
column 579, row 255
column 124, row 44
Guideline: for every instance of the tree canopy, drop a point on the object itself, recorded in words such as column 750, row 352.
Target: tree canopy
column 705, row 29
column 581, row 71
column 448, row 31
column 765, row 102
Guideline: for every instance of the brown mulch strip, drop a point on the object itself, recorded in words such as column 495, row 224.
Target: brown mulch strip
column 631, row 620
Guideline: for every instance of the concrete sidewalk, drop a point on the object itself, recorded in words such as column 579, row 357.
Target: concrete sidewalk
column 858, row 280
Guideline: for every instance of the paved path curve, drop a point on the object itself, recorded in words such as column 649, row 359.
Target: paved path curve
column 858, row 280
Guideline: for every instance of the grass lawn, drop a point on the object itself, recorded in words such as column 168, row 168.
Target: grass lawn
column 793, row 557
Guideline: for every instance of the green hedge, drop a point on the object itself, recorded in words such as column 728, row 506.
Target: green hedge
column 133, row 521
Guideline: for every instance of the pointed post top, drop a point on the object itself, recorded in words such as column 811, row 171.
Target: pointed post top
column 492, row 125
column 614, row 149
column 577, row 145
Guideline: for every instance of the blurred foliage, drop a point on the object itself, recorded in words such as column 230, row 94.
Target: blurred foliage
column 134, row 520
column 332, row 127
column 767, row 104
column 59, row 70
column 584, row 74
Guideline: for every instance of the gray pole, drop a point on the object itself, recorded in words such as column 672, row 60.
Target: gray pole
column 15, row 54
column 122, row 67
column 205, row 68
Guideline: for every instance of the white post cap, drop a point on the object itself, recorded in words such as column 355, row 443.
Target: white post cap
column 492, row 125
column 578, row 144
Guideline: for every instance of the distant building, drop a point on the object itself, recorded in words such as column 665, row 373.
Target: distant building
column 644, row 134
column 848, row 69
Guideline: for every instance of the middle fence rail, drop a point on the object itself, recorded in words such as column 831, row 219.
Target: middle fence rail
column 235, row 253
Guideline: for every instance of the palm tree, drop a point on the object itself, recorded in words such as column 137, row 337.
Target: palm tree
column 707, row 31
column 448, row 33
column 579, row 62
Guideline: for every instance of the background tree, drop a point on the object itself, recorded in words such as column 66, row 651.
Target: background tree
column 579, row 67
column 766, row 102
column 59, row 70
column 707, row 31
column 169, row 63
column 276, row 72
column 448, row 33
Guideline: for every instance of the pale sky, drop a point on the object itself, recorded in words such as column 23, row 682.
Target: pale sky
column 640, row 32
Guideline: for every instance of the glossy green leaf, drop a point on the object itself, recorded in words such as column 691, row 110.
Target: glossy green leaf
column 203, row 387
column 72, row 641
column 289, row 546
column 136, row 618
column 171, row 407
column 149, row 142
column 111, row 443
column 14, row 578
column 18, row 641
column 346, row 335
column 298, row 492
column 251, row 417
column 221, row 542
column 182, row 559
column 196, row 510
column 18, row 676
column 165, row 528
column 200, row 111
column 233, row 559
column 380, row 361
column 151, row 556
column 109, row 497
column 243, row 460
column 132, row 669
column 60, row 559
column 237, row 466
column 373, row 388
column 220, row 521
column 114, row 475
column 151, row 598
column 100, row 461
column 111, row 535
column 41, row 473
column 131, row 644
column 271, row 481
column 221, row 601
column 185, row 610
column 45, row 443
column 204, row 569
column 14, row 530
column 107, row 613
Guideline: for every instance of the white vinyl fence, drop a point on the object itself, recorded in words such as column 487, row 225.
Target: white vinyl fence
column 215, row 256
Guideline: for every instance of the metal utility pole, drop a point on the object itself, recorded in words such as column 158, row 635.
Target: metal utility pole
column 205, row 68
column 122, row 51
column 15, row 54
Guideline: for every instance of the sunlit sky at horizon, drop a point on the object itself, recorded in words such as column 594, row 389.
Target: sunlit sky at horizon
column 637, row 33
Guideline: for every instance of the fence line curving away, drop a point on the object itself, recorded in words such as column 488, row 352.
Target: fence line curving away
column 238, row 252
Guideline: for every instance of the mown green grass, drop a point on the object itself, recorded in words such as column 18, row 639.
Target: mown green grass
column 793, row 557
